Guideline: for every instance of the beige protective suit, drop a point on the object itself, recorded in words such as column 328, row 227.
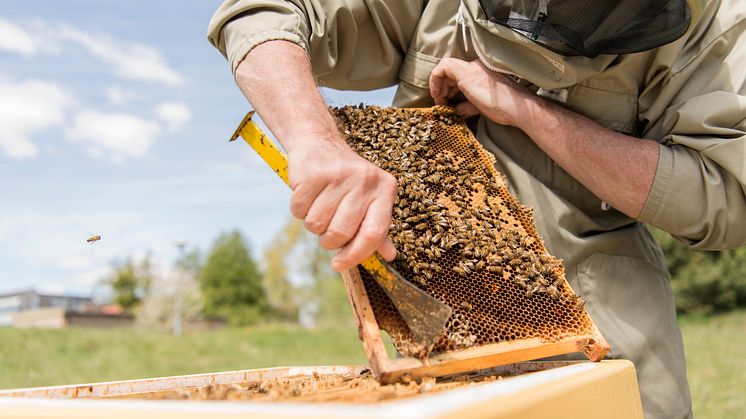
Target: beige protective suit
column 689, row 96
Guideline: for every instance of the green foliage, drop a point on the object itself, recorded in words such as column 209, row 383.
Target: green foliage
column 130, row 280
column 705, row 282
column 231, row 282
column 281, row 294
column 326, row 292
column 319, row 293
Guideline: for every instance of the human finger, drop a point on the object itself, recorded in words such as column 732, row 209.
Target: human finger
column 387, row 250
column 322, row 209
column 445, row 75
column 302, row 197
column 345, row 222
column 467, row 109
column 369, row 237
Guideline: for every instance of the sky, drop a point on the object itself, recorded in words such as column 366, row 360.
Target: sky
column 114, row 121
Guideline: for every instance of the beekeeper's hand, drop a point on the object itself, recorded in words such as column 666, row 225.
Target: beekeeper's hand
column 488, row 93
column 341, row 197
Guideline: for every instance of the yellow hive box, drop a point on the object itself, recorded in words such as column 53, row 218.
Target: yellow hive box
column 530, row 390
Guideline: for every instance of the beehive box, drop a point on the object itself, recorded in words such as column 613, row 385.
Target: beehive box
column 465, row 240
column 528, row 390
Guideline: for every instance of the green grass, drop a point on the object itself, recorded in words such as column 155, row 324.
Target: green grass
column 716, row 364
column 715, row 349
column 34, row 357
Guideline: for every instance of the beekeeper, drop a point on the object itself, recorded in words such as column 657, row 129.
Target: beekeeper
column 604, row 115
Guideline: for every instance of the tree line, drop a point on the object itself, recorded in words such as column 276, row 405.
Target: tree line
column 293, row 282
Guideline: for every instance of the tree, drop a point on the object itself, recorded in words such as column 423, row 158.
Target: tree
column 316, row 295
column 231, row 282
column 705, row 282
column 327, row 292
column 174, row 293
column 282, row 295
column 130, row 281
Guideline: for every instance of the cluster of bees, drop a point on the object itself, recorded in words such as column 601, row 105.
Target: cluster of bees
column 449, row 214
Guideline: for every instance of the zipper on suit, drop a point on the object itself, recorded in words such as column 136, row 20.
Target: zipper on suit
column 466, row 35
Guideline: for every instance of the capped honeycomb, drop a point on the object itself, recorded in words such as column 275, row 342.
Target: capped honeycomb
column 460, row 235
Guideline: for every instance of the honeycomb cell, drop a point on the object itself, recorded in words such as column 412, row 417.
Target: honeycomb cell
column 460, row 235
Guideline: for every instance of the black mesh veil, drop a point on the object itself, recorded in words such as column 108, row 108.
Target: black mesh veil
column 591, row 27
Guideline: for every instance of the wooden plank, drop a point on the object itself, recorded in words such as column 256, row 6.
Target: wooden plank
column 368, row 330
column 485, row 356
column 151, row 385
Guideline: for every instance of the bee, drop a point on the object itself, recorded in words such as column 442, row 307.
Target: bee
column 420, row 280
column 553, row 292
column 466, row 305
column 93, row 238
column 579, row 302
column 495, row 269
column 459, row 270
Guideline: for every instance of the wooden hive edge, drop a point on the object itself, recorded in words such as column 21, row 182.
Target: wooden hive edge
column 387, row 370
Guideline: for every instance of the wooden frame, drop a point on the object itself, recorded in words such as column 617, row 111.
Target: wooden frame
column 388, row 370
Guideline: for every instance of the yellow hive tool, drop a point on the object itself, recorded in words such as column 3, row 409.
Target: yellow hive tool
column 425, row 316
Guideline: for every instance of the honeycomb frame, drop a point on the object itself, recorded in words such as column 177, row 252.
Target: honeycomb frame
column 372, row 315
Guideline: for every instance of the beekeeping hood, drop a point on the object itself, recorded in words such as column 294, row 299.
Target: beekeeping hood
column 591, row 27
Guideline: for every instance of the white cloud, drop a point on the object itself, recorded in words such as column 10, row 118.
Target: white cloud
column 25, row 108
column 15, row 39
column 174, row 114
column 118, row 95
column 115, row 135
column 130, row 60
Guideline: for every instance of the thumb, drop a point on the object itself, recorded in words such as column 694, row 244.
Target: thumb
column 387, row 250
column 467, row 109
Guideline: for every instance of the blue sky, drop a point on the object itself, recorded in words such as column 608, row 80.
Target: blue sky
column 115, row 118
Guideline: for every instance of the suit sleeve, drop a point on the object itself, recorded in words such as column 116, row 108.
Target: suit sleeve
column 699, row 191
column 352, row 44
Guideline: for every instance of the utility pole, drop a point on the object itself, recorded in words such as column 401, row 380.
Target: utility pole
column 177, row 325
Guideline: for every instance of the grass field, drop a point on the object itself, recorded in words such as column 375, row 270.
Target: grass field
column 714, row 346
column 716, row 361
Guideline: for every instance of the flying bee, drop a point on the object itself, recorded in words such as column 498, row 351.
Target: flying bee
column 93, row 238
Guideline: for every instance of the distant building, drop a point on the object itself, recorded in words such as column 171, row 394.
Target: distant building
column 29, row 308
